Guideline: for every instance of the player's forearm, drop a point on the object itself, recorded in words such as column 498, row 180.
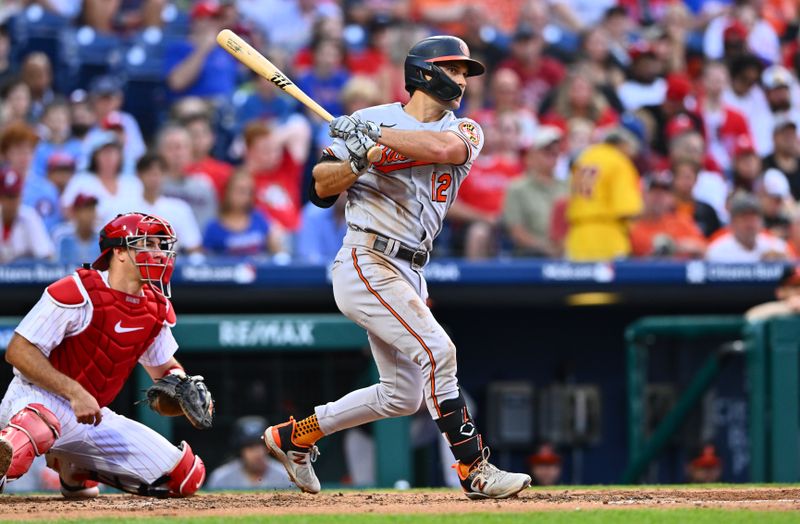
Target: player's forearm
column 438, row 147
column 332, row 178
column 30, row 361
column 156, row 372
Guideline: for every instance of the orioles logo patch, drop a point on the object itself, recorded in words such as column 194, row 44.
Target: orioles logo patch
column 470, row 130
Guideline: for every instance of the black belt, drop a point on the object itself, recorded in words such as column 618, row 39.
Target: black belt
column 417, row 259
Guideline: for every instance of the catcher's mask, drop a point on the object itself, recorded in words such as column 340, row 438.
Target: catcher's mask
column 421, row 71
column 150, row 243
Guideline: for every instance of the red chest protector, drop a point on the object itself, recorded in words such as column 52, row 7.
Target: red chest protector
column 101, row 357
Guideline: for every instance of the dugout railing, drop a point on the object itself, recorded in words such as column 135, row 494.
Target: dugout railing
column 772, row 375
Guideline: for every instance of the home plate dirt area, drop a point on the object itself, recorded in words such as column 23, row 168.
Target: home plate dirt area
column 397, row 502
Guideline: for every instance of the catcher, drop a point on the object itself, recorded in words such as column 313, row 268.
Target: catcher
column 72, row 354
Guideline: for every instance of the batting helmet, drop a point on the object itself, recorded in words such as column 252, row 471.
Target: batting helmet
column 134, row 231
column 423, row 73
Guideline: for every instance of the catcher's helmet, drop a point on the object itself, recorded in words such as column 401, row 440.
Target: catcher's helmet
column 135, row 232
column 421, row 63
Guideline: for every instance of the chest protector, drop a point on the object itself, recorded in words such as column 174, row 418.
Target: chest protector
column 101, row 357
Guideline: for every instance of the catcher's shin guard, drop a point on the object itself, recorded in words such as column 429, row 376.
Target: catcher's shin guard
column 459, row 429
column 188, row 474
column 30, row 433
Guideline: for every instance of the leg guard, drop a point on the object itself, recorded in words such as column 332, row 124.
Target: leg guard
column 188, row 474
column 29, row 433
column 459, row 429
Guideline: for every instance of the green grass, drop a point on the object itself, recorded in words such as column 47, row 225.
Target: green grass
column 655, row 516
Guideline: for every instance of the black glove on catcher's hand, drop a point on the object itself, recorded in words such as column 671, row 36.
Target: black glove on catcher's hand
column 178, row 394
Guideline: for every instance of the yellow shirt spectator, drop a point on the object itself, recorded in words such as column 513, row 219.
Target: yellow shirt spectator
column 604, row 194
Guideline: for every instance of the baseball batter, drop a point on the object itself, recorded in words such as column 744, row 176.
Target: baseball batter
column 73, row 352
column 395, row 208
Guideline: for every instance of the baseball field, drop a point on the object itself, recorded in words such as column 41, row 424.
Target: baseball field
column 596, row 505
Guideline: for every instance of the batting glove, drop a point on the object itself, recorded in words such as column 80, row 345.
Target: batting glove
column 369, row 128
column 342, row 126
column 358, row 144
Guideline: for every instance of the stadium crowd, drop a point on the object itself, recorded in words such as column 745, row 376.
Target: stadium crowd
column 614, row 128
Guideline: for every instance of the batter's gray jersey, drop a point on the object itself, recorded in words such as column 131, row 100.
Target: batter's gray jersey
column 400, row 197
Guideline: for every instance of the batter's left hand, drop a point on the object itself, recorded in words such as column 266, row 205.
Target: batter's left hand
column 342, row 126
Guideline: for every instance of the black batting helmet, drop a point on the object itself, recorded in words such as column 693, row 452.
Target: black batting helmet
column 423, row 73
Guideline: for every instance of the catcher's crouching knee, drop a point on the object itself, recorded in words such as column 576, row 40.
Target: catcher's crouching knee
column 188, row 474
column 29, row 434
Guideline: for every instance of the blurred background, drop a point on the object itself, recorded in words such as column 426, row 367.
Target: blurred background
column 597, row 344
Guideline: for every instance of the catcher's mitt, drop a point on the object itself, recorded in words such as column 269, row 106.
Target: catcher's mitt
column 178, row 394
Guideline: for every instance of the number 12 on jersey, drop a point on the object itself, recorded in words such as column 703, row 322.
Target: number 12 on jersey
column 440, row 183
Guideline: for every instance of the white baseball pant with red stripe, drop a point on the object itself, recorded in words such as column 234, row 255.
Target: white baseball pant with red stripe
column 414, row 355
column 118, row 447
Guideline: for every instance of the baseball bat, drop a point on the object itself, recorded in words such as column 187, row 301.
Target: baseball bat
column 257, row 62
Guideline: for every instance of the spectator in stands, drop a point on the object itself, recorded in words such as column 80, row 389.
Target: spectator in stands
column 114, row 123
column 644, row 86
column 107, row 99
column 15, row 102
column 200, row 67
column 274, row 158
column 706, row 467
column 22, row 233
column 7, row 69
column 545, row 465
column 605, row 196
column 778, row 83
column 43, row 193
column 661, row 232
column 175, row 147
column 325, row 80
column 746, row 241
column 76, row 241
column 241, row 229
column 202, row 134
column 746, row 167
column 100, row 15
column 151, row 171
column 37, row 73
column 784, row 156
column 577, row 97
column 530, row 199
column 81, row 114
column 476, row 213
column 600, row 67
column 259, row 100
column 505, row 96
column 321, row 232
column 723, row 124
column 114, row 193
column 252, row 468
column 538, row 73
column 777, row 203
column 684, row 178
column 142, row 14
column 17, row 143
column 788, row 298
column 711, row 187
column 576, row 15
column 746, row 96
column 744, row 18
column 55, row 137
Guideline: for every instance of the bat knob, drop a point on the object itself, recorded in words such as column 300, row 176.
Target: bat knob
column 374, row 154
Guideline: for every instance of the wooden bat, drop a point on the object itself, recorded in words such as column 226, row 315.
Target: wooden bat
column 247, row 54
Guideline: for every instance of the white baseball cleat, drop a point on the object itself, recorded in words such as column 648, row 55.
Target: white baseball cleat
column 87, row 490
column 486, row 481
column 298, row 460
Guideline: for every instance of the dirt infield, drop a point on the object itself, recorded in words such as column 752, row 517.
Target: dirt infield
column 349, row 502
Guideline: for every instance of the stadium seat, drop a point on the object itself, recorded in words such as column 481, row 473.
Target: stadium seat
column 92, row 54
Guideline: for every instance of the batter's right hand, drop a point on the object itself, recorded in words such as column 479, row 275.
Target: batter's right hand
column 342, row 126
column 86, row 408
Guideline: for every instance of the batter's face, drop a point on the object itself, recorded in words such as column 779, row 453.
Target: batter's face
column 457, row 72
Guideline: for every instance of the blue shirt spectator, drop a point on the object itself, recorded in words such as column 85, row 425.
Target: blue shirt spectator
column 326, row 78
column 320, row 237
column 200, row 67
column 76, row 241
column 44, row 150
column 260, row 100
column 221, row 240
column 42, row 195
